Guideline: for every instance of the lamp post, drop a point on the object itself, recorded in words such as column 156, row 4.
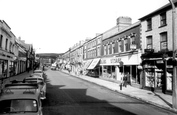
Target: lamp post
column 174, row 79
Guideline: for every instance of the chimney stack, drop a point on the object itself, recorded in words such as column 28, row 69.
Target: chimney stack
column 123, row 21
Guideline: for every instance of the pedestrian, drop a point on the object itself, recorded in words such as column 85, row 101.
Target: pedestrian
column 125, row 80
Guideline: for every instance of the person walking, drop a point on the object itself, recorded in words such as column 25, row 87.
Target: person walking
column 125, row 80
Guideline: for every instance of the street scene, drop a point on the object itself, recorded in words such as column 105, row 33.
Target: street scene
column 49, row 65
column 68, row 94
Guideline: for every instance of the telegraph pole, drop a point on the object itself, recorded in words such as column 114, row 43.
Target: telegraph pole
column 174, row 79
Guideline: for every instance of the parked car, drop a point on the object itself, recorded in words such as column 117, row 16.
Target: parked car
column 40, row 72
column 20, row 99
column 92, row 74
column 53, row 67
column 35, row 79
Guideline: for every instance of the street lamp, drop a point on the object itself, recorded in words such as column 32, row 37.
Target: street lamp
column 174, row 79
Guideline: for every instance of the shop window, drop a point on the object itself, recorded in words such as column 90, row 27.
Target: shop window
column 149, row 42
column 163, row 19
column 163, row 41
column 149, row 24
column 150, row 78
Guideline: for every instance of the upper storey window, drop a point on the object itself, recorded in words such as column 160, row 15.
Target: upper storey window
column 1, row 37
column 149, row 24
column 6, row 44
column 163, row 21
column 149, row 42
column 163, row 41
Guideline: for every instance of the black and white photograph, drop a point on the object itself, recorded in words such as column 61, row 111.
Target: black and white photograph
column 88, row 57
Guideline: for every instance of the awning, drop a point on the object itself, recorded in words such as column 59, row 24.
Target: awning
column 87, row 64
column 94, row 63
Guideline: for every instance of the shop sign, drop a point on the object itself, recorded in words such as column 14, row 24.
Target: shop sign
column 115, row 60
column 110, row 61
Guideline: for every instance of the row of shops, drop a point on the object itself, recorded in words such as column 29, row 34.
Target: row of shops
column 144, row 72
column 114, row 68
column 10, row 68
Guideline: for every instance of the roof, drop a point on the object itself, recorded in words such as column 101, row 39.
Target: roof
column 125, row 29
column 158, row 11
column 35, row 77
column 14, row 92
column 38, row 70
column 36, row 74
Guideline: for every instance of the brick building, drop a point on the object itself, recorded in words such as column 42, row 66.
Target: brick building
column 156, row 34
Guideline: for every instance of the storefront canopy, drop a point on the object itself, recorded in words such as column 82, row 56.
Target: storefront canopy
column 87, row 63
column 94, row 63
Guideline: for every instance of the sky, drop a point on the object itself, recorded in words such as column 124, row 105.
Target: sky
column 53, row 26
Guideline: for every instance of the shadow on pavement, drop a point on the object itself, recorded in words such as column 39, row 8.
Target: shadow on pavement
column 164, row 100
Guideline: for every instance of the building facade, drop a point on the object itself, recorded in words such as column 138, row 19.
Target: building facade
column 121, row 54
column 92, row 54
column 7, row 46
column 156, row 34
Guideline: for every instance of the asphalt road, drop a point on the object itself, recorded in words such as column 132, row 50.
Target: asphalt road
column 68, row 95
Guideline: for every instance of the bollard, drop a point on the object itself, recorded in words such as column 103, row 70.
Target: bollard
column 121, row 86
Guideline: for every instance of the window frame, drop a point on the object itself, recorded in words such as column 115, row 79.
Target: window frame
column 113, row 47
column 6, row 44
column 1, row 40
column 163, row 19
column 120, row 46
column 104, row 49
column 108, row 48
column 163, row 41
column 149, row 44
column 149, row 24
column 126, row 44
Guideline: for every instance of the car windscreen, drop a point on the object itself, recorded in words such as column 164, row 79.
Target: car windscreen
column 18, row 105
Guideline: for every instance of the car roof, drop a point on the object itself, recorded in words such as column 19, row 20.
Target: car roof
column 19, row 95
column 20, row 91
column 38, row 70
column 33, row 78
column 36, row 75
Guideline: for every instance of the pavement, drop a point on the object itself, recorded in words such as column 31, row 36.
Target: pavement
column 157, row 99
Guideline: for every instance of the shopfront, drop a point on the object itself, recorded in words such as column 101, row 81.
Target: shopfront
column 157, row 71
column 86, row 65
column 94, row 69
column 116, row 67
column 21, row 64
column 3, row 68
column 11, row 68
